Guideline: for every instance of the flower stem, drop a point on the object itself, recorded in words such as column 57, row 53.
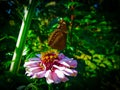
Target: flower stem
column 22, row 37
column 50, row 87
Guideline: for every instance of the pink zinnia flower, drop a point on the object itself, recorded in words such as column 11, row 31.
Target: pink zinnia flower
column 51, row 65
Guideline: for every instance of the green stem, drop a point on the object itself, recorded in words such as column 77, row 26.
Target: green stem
column 16, row 60
column 50, row 87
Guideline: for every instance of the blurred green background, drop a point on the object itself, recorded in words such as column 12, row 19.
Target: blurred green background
column 93, row 39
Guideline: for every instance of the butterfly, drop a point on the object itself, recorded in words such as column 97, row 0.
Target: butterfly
column 57, row 39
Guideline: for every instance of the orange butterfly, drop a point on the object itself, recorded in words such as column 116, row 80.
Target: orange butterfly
column 57, row 39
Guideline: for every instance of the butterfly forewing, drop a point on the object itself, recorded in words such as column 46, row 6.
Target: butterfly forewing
column 57, row 39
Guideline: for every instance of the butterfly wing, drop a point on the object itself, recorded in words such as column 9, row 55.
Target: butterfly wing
column 57, row 39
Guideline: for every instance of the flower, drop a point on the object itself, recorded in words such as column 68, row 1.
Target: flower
column 51, row 65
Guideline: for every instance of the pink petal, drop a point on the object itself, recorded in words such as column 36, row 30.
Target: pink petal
column 40, row 74
column 61, row 56
column 73, row 63
column 70, row 72
column 31, row 64
column 34, row 59
column 75, row 73
column 66, row 73
column 55, row 78
column 29, row 73
column 59, row 67
column 64, row 63
column 60, row 74
column 35, row 69
column 38, row 55
column 65, row 59
column 65, row 79
column 48, row 77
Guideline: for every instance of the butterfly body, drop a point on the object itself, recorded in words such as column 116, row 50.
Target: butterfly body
column 57, row 39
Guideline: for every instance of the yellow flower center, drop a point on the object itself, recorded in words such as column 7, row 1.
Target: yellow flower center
column 49, row 58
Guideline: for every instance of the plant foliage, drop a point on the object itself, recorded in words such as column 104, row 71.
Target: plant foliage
column 92, row 39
